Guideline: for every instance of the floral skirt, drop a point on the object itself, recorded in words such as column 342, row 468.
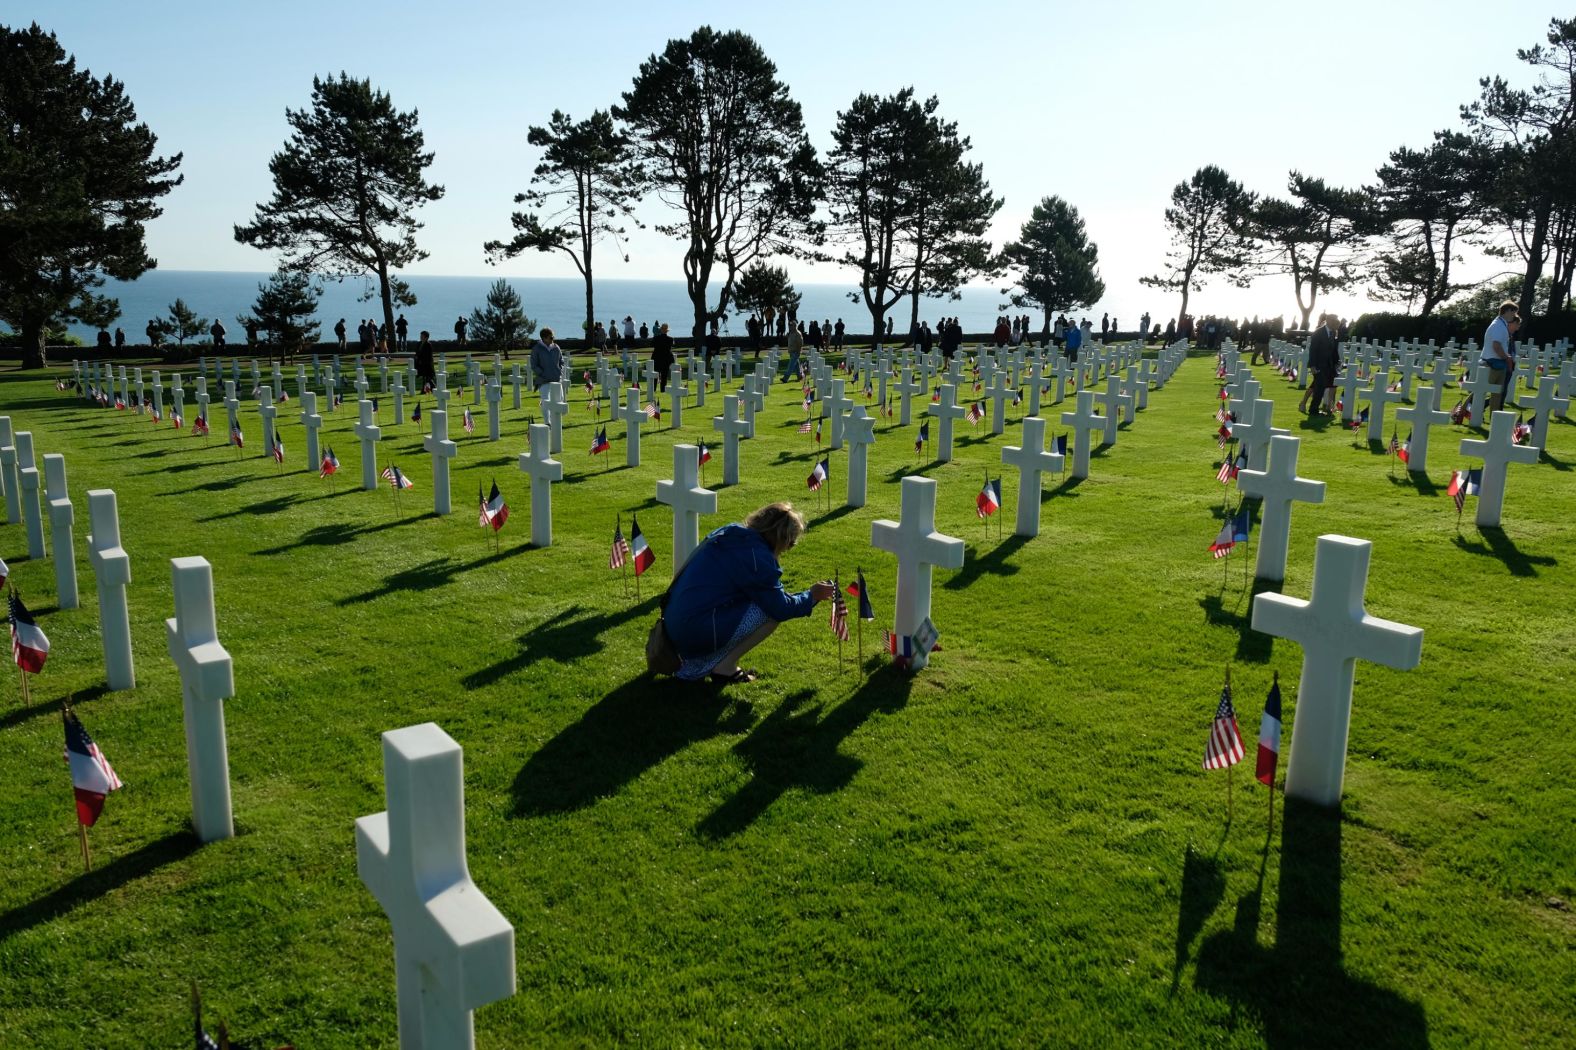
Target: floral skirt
column 695, row 668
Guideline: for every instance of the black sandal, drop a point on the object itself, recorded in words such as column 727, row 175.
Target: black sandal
column 737, row 677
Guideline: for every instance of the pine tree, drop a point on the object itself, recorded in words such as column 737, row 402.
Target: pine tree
column 346, row 189
column 184, row 323
column 1057, row 264
column 501, row 323
column 79, row 181
column 285, row 307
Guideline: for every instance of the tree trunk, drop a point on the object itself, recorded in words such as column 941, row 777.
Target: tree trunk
column 1535, row 253
column 1183, row 312
column 913, row 316
column 388, row 298
column 590, row 308
column 34, row 352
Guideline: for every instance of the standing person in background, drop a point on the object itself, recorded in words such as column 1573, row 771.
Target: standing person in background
column 1105, row 326
column 1324, row 359
column 795, row 347
column 459, row 330
column 1002, row 333
column 1143, row 326
column 547, row 360
column 120, row 338
column 924, row 337
column 1499, row 352
column 752, row 328
column 713, row 343
column 1074, row 337
column 1087, row 333
column 629, row 331
column 767, row 317
column 401, row 330
column 1171, row 331
column 645, row 333
column 784, row 320
column 251, row 333
column 889, row 329
column 612, row 335
column 815, row 334
column 426, row 370
column 837, row 333
column 662, row 354
column 339, row 334
column 217, row 333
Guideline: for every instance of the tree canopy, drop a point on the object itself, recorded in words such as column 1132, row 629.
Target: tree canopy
column 582, row 190
column 501, row 322
column 285, row 310
column 1057, row 266
column 1206, row 221
column 764, row 286
column 723, row 144
column 79, row 181
column 346, row 188
column 1315, row 236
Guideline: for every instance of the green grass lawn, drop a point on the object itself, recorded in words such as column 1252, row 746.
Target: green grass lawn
column 1016, row 847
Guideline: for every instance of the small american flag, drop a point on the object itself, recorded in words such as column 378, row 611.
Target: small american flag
column 1224, row 748
column 807, row 426
column 653, row 410
column 839, row 614
column 1522, row 431
column 975, row 413
column 620, row 554
column 1227, row 471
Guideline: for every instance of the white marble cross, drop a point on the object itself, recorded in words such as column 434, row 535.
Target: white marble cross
column 1114, row 402
column 946, row 411
column 689, row 501
column 1255, row 433
column 1063, row 370
column 918, row 547
column 8, row 478
column 633, row 414
column 906, row 387
column 30, row 481
column 1349, row 383
column 859, row 429
column 514, row 384
column 1277, row 486
column 1334, row 632
column 312, row 422
column 232, row 407
column 836, row 406
column 1545, row 405
column 442, row 450
column 369, row 433
column 998, row 393
column 61, row 520
column 494, row 396
column 1421, row 415
column 543, row 471
column 207, row 679
column 112, row 570
column 677, row 392
column 1083, row 421
column 732, row 429
column 1378, row 395
column 453, row 950
column 1031, row 459
column 554, row 408
column 1497, row 453
column 1485, row 382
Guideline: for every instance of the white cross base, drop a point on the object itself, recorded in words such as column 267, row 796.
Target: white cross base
column 689, row 501
column 369, row 433
column 918, row 547
column 442, row 449
column 1334, row 633
column 1084, row 421
column 732, row 429
column 207, row 678
column 453, row 950
column 859, row 432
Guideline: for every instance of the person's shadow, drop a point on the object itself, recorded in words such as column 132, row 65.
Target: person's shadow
column 1299, row 989
column 628, row 731
column 798, row 744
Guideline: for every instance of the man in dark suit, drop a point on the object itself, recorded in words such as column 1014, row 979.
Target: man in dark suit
column 1324, row 359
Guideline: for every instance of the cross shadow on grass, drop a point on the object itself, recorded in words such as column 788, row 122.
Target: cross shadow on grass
column 96, row 883
column 993, row 561
column 1252, row 646
column 628, row 731
column 832, row 515
column 915, row 471
column 1064, row 488
column 1299, row 990
column 336, row 534
column 1496, row 544
column 221, row 485
column 1203, row 888
column 429, row 575
column 565, row 636
column 1421, row 482
column 267, row 506
column 797, row 746
column 17, row 716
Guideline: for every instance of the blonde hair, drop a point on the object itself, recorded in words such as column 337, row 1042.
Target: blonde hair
column 779, row 525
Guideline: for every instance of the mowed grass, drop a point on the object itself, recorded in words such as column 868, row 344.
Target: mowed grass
column 1016, row 847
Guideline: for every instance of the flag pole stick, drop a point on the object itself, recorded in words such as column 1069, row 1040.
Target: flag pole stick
column 1228, row 796
column 87, row 854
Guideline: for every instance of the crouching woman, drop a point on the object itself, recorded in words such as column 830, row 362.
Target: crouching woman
column 729, row 596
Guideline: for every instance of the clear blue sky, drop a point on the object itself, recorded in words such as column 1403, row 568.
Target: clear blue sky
column 1108, row 104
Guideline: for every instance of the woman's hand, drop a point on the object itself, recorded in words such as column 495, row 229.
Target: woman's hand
column 824, row 591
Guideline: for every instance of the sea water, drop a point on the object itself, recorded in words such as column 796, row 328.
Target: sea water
column 556, row 303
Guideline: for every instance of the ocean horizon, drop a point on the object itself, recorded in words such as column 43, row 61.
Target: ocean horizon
column 553, row 302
